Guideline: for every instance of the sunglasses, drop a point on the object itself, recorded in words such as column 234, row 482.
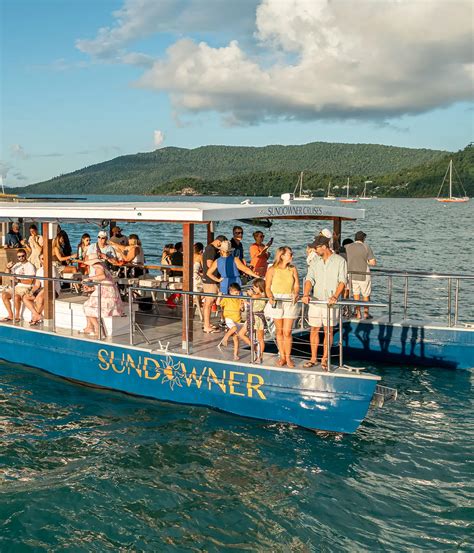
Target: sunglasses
column 238, row 232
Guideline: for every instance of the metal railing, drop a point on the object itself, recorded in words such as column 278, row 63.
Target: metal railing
column 133, row 293
column 407, row 276
column 250, row 317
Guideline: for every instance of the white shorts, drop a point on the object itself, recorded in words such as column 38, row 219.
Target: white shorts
column 20, row 290
column 318, row 315
column 283, row 309
column 230, row 323
column 362, row 287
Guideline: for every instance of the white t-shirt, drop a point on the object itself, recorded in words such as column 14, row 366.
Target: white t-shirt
column 57, row 284
column 26, row 268
column 108, row 250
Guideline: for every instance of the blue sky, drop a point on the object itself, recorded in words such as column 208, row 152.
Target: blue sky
column 86, row 81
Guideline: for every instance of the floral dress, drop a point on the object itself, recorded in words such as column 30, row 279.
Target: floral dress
column 110, row 302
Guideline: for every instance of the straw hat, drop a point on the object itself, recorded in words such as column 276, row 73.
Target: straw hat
column 225, row 246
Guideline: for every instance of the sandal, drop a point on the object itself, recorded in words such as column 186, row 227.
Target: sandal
column 324, row 364
column 310, row 364
column 211, row 330
column 36, row 323
column 290, row 364
column 280, row 363
column 6, row 320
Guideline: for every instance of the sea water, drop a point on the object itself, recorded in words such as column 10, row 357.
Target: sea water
column 87, row 470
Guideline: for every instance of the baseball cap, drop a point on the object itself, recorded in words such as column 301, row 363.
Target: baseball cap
column 326, row 232
column 102, row 234
column 319, row 241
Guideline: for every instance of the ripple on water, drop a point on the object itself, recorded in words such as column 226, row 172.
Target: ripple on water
column 83, row 470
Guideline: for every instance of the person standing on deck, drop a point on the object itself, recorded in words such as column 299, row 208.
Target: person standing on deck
column 211, row 253
column 326, row 277
column 282, row 288
column 259, row 253
column 228, row 268
column 236, row 243
column 360, row 258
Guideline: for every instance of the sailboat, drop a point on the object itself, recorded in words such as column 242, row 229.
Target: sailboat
column 299, row 194
column 451, row 198
column 347, row 199
column 329, row 196
column 364, row 193
column 3, row 195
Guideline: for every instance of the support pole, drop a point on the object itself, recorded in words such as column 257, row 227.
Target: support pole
column 210, row 232
column 337, row 229
column 188, row 255
column 48, row 273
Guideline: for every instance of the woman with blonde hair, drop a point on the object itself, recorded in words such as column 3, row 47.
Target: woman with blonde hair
column 282, row 289
column 131, row 255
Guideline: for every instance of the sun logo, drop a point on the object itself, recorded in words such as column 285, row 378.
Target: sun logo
column 172, row 372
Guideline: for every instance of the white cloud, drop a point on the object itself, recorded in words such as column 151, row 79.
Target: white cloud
column 18, row 151
column 138, row 19
column 318, row 59
column 158, row 138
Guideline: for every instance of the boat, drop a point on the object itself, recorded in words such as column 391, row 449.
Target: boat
column 300, row 195
column 347, row 199
column 364, row 192
column 3, row 195
column 170, row 358
column 329, row 196
column 451, row 199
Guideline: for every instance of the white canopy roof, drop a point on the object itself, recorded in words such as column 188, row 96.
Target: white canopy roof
column 192, row 212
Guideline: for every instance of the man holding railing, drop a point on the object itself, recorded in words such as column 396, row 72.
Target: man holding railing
column 326, row 277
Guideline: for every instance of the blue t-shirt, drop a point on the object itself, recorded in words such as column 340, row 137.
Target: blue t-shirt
column 13, row 239
column 229, row 272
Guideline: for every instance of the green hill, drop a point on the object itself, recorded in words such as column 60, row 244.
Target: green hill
column 248, row 168
column 423, row 180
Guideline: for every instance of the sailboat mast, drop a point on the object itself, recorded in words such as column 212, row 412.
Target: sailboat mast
column 451, row 178
column 301, row 183
column 347, row 188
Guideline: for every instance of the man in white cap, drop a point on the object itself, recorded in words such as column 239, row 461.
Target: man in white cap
column 101, row 248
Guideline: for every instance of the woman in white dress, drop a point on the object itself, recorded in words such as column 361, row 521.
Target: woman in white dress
column 35, row 243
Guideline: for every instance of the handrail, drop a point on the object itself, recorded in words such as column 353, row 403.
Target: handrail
column 410, row 273
column 407, row 274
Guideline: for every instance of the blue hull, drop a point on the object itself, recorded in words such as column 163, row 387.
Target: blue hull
column 408, row 344
column 312, row 400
